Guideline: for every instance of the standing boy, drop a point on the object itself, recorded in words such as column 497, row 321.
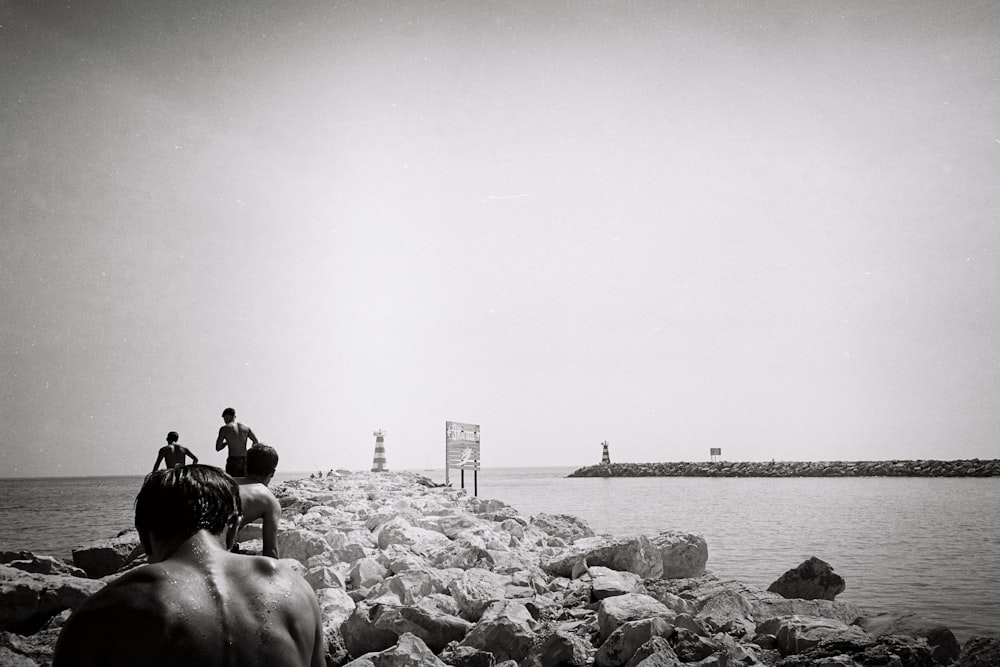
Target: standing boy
column 234, row 435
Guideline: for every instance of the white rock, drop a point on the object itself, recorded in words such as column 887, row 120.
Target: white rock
column 335, row 604
column 367, row 572
column 683, row 555
column 476, row 589
column 614, row 611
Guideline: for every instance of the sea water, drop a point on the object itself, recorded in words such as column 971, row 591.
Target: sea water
column 923, row 545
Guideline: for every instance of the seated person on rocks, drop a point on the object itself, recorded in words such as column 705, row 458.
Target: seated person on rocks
column 195, row 603
column 258, row 501
column 172, row 453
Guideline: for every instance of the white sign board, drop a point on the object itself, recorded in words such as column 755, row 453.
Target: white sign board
column 461, row 446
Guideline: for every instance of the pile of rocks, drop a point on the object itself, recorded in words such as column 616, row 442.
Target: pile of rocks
column 894, row 468
column 411, row 573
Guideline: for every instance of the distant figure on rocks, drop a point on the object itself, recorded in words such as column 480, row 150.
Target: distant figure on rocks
column 172, row 453
column 234, row 435
column 195, row 603
column 258, row 501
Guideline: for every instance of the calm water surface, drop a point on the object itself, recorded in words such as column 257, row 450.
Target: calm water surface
column 928, row 545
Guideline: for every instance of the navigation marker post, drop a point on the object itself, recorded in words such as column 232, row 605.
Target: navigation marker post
column 461, row 451
column 378, row 461
column 715, row 453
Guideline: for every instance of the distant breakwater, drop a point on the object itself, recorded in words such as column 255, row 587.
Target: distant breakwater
column 895, row 468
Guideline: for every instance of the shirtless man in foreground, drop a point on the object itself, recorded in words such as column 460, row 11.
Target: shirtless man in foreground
column 258, row 501
column 195, row 603
column 173, row 453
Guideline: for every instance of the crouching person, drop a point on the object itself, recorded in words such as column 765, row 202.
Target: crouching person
column 195, row 603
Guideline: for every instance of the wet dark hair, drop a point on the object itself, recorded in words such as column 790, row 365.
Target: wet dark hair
column 262, row 460
column 178, row 502
column 228, row 411
column 172, row 436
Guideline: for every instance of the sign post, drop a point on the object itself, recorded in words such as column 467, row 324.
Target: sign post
column 715, row 453
column 461, row 447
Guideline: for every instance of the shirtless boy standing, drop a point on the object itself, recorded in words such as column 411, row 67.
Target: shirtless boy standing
column 258, row 501
column 234, row 435
column 195, row 603
column 173, row 453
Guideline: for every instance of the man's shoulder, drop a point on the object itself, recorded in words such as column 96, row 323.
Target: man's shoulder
column 257, row 500
column 262, row 571
column 131, row 592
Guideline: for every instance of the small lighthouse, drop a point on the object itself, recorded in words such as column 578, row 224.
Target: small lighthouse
column 378, row 463
column 605, row 457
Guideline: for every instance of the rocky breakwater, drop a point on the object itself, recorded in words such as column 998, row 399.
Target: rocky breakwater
column 895, row 468
column 410, row 573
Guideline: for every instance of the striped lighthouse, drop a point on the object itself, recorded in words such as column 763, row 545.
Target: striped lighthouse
column 605, row 457
column 378, row 463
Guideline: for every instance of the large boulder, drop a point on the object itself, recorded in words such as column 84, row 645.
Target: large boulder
column 451, row 524
column 628, row 554
column 657, row 652
column 813, row 579
column 506, row 638
column 768, row 605
column 795, row 634
column 692, row 647
column 476, row 589
column 324, row 576
column 377, row 627
column 736, row 594
column 566, row 527
column 464, row 552
column 980, row 652
column 36, row 649
column 407, row 588
column 730, row 611
column 945, row 648
column 606, row 582
column 366, row 573
column 401, row 532
column 560, row 649
column 349, row 553
column 612, row 612
column 409, row 651
column 29, row 562
column 335, row 604
column 28, row 600
column 106, row 556
column 9, row 658
column 301, row 544
column 683, row 555
column 623, row 643
column 466, row 656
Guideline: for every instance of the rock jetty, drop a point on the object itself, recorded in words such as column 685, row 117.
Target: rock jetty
column 408, row 572
column 894, row 468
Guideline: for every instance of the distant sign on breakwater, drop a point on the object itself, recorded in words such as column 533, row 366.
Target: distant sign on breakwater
column 895, row 468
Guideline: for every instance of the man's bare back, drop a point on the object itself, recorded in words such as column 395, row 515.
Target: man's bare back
column 195, row 603
column 174, row 455
column 202, row 606
column 259, row 503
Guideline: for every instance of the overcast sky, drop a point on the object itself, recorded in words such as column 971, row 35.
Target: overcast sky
column 769, row 227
